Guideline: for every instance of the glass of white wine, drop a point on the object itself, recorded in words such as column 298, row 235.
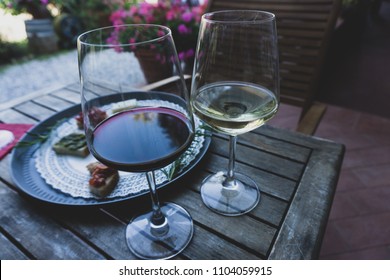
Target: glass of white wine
column 235, row 89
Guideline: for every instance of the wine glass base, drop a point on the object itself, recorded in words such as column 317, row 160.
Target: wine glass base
column 160, row 242
column 230, row 199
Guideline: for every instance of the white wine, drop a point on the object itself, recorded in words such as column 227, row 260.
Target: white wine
column 234, row 108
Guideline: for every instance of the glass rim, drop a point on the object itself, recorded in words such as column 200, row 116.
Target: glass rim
column 113, row 27
column 270, row 16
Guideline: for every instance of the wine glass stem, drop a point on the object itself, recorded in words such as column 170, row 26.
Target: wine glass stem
column 232, row 158
column 158, row 217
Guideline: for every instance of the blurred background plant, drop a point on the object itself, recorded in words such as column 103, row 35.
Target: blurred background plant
column 39, row 9
column 72, row 17
column 91, row 13
column 182, row 17
column 12, row 51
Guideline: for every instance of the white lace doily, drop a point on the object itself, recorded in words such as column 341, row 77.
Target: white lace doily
column 69, row 174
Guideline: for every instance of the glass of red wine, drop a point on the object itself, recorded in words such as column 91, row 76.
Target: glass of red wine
column 132, row 125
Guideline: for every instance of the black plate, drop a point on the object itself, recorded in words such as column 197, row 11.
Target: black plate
column 27, row 178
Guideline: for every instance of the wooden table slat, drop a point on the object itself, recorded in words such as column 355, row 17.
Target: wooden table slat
column 48, row 241
column 52, row 102
column 272, row 184
column 271, row 209
column 12, row 116
column 310, row 209
column 257, row 158
column 221, row 248
column 261, row 234
column 9, row 251
column 34, row 111
column 274, row 146
column 68, row 94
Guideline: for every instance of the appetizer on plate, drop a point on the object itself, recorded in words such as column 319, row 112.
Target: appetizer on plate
column 96, row 116
column 73, row 144
column 124, row 105
column 103, row 179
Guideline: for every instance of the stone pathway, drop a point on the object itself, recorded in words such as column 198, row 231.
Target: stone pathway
column 17, row 80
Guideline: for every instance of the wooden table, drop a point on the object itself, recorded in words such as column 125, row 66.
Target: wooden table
column 297, row 175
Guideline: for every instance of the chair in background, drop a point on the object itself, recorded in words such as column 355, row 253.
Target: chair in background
column 304, row 31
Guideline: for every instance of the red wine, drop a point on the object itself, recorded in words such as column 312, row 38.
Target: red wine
column 141, row 139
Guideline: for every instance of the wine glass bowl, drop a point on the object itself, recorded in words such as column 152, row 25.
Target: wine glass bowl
column 131, row 126
column 235, row 89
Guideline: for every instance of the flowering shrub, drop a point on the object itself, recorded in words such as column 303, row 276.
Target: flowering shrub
column 92, row 13
column 37, row 8
column 181, row 18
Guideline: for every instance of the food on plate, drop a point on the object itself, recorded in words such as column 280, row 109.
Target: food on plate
column 80, row 120
column 72, row 144
column 124, row 105
column 103, row 179
column 96, row 115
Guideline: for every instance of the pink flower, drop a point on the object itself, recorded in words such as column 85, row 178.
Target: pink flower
column 187, row 16
column 117, row 17
column 170, row 15
column 132, row 41
column 182, row 55
column 150, row 18
column 182, row 19
column 145, row 9
column 197, row 12
column 161, row 58
column 160, row 33
column 133, row 10
column 183, row 29
column 189, row 53
column 113, row 40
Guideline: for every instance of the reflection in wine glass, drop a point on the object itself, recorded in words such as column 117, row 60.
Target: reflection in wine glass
column 235, row 89
column 141, row 130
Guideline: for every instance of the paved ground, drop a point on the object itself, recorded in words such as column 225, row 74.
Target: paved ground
column 17, row 80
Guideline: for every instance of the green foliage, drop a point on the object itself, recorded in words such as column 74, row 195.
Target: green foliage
column 348, row 3
column 92, row 13
column 37, row 8
column 11, row 51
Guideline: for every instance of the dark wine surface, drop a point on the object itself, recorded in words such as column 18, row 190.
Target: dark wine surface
column 141, row 139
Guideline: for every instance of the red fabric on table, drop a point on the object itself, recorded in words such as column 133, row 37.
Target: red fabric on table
column 18, row 130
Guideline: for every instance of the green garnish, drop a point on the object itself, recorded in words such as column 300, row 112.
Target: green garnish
column 72, row 141
column 39, row 138
column 177, row 166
